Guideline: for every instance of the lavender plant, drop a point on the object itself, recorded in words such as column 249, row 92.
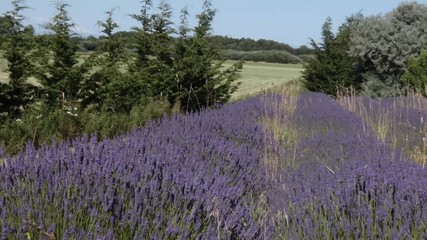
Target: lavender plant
column 187, row 177
column 204, row 176
column 399, row 122
column 348, row 184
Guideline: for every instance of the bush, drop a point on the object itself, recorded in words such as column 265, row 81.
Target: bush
column 42, row 125
column 270, row 56
column 416, row 73
column 383, row 44
column 89, row 46
column 377, row 87
column 332, row 69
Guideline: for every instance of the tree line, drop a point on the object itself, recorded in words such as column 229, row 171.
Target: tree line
column 183, row 73
column 245, row 49
column 90, row 43
column 261, row 50
column 269, row 56
column 377, row 56
column 179, row 73
column 248, row 44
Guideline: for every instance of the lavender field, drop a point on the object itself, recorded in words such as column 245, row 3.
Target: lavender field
column 275, row 166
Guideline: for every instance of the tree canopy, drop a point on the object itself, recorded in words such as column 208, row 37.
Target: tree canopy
column 369, row 53
column 416, row 73
column 383, row 44
column 333, row 69
column 15, row 95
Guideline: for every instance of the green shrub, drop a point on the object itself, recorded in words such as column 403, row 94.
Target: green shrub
column 332, row 69
column 270, row 56
column 416, row 73
column 43, row 125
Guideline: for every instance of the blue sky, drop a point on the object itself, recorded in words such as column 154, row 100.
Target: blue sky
column 292, row 22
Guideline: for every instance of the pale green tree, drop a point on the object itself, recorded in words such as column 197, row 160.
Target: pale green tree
column 383, row 45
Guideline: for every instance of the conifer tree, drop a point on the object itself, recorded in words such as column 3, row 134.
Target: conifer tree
column 143, row 40
column 108, row 88
column 136, row 83
column 152, row 71
column 62, row 78
column 200, row 80
column 15, row 95
column 333, row 69
column 182, row 60
column 111, row 45
column 5, row 26
column 160, row 65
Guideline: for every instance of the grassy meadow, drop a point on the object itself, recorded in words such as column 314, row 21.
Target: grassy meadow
column 259, row 76
column 3, row 67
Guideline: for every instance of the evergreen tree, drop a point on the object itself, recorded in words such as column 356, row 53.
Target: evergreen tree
column 15, row 95
column 180, row 88
column 62, row 77
column 143, row 37
column 333, row 69
column 136, row 83
column 152, row 71
column 5, row 25
column 160, row 65
column 108, row 88
column 199, row 80
column 111, row 45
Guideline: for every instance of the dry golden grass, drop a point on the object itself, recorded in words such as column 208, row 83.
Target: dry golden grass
column 385, row 125
column 279, row 132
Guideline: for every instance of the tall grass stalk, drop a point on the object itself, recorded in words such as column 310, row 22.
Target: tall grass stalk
column 279, row 105
column 279, row 139
column 392, row 125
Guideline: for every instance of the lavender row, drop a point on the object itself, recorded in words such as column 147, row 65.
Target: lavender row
column 201, row 176
column 399, row 122
column 347, row 183
column 195, row 176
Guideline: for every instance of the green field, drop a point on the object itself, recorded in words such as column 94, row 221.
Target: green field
column 259, row 76
column 3, row 67
column 255, row 76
